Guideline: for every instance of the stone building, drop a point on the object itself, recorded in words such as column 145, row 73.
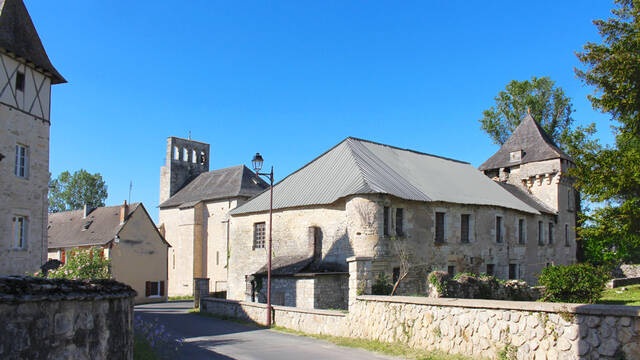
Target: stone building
column 26, row 76
column 126, row 234
column 194, row 206
column 359, row 205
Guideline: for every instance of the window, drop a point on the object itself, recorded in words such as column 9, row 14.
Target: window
column 258, row 235
column 540, row 233
column 464, row 228
column 566, row 234
column 499, row 229
column 396, row 274
column 21, row 168
column 491, row 269
column 19, row 232
column 451, row 270
column 217, row 257
column 440, row 222
column 176, row 153
column 203, row 158
column 521, row 232
column 154, row 288
column 185, row 154
column 194, row 158
column 174, row 259
column 571, row 204
column 385, row 221
column 20, row 81
column 550, row 233
column 513, row 271
column 399, row 219
column 515, row 156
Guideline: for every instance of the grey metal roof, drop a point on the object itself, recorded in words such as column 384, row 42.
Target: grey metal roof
column 18, row 35
column 218, row 184
column 532, row 140
column 527, row 198
column 357, row 166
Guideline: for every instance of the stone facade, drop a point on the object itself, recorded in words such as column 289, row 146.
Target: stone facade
column 308, row 291
column 65, row 319
column 185, row 159
column 524, row 330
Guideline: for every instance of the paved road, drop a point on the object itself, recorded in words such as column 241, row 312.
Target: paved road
column 209, row 338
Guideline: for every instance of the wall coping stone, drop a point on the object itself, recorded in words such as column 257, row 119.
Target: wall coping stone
column 26, row 288
column 586, row 309
column 359, row 258
column 279, row 307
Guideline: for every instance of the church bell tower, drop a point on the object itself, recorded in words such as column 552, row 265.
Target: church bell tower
column 185, row 160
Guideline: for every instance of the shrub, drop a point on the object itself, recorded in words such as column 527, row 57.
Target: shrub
column 382, row 285
column 83, row 264
column 579, row 283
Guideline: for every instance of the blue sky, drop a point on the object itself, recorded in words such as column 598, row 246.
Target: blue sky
column 291, row 79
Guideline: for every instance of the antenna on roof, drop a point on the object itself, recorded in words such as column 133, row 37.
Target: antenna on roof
column 130, row 187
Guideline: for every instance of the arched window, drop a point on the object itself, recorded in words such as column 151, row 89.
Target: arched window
column 176, row 153
column 185, row 154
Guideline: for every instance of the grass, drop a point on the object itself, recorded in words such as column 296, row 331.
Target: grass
column 186, row 297
column 142, row 350
column 629, row 297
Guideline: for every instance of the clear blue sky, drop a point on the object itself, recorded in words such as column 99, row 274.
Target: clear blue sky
column 290, row 79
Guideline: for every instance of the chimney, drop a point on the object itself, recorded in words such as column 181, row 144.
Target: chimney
column 124, row 211
column 86, row 211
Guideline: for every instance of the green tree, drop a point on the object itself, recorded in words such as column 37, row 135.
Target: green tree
column 548, row 104
column 72, row 192
column 610, row 176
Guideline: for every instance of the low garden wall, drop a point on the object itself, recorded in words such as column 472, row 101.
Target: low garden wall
column 65, row 319
column 524, row 330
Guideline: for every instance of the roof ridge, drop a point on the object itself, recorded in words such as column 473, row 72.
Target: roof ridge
column 409, row 150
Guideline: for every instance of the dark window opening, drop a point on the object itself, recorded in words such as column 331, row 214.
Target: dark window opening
column 521, row 231
column 399, row 220
column 451, row 270
column 20, row 81
column 385, row 221
column 439, row 227
column 540, row 233
column 550, row 233
column 258, row 235
column 566, row 235
column 490, row 269
column 513, row 271
column 464, row 228
column 499, row 229
column 315, row 241
column 396, row 274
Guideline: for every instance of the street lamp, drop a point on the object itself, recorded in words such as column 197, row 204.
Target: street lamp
column 257, row 166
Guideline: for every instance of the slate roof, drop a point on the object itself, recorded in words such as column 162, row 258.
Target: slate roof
column 218, row 184
column 300, row 264
column 18, row 35
column 527, row 198
column 357, row 166
column 532, row 140
column 66, row 229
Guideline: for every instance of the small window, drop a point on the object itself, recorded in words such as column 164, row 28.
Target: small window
column 174, row 260
column 217, row 257
column 499, row 229
column 20, row 81
column 21, row 168
column 385, row 221
column 176, row 153
column 440, row 222
column 540, row 233
column 521, row 232
column 566, row 235
column 399, row 221
column 464, row 228
column 154, row 288
column 185, row 154
column 451, row 270
column 396, row 274
column 515, row 156
column 258, row 235
column 550, row 233
column 19, row 232
column 203, row 158
column 513, row 271
column 491, row 269
column 194, row 157
column 571, row 204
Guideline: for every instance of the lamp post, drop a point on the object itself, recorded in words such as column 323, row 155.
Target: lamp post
column 257, row 166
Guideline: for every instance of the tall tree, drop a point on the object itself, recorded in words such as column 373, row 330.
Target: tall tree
column 72, row 192
column 548, row 105
column 610, row 176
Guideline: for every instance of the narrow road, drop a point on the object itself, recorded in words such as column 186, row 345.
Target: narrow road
column 209, row 338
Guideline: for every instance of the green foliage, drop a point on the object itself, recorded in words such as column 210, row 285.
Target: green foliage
column 461, row 274
column 510, row 352
column 610, row 176
column 83, row 264
column 72, row 192
column 579, row 283
column 440, row 285
column 548, row 105
column 382, row 285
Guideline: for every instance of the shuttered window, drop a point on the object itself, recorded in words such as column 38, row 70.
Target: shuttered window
column 154, row 288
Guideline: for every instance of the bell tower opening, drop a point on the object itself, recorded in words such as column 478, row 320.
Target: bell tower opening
column 185, row 160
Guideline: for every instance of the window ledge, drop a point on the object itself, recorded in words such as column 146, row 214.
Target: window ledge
column 19, row 249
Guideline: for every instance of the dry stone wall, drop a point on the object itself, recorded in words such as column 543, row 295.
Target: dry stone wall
column 526, row 330
column 65, row 319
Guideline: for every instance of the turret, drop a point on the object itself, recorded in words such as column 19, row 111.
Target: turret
column 185, row 160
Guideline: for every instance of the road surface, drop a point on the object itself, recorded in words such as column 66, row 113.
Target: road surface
column 210, row 338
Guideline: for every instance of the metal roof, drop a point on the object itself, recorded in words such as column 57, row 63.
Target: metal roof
column 18, row 35
column 357, row 166
column 534, row 142
column 218, row 184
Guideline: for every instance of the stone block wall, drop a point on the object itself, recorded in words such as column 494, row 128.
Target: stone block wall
column 308, row 291
column 627, row 271
column 527, row 330
column 65, row 319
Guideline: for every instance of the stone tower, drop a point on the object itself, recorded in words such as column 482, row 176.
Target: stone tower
column 26, row 76
column 185, row 160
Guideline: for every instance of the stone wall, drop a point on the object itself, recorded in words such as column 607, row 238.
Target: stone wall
column 528, row 330
column 627, row 271
column 441, row 285
column 65, row 319
column 308, row 291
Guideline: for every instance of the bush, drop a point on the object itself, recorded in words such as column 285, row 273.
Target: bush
column 382, row 285
column 579, row 283
column 83, row 264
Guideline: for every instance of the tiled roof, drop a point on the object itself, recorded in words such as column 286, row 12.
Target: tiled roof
column 18, row 35
column 218, row 184
column 534, row 142
column 357, row 166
